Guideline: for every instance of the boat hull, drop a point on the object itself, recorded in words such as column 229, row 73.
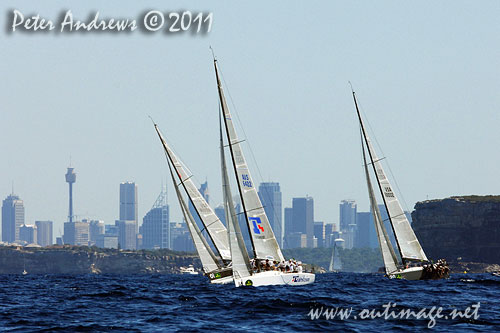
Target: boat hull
column 224, row 280
column 412, row 273
column 273, row 278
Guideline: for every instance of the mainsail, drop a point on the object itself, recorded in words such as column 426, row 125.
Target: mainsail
column 207, row 257
column 408, row 244
column 216, row 230
column 239, row 254
column 388, row 254
column 263, row 240
column 337, row 262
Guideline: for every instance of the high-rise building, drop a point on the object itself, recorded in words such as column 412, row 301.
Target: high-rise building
column 303, row 218
column 155, row 228
column 319, row 233
column 44, row 232
column 347, row 214
column 12, row 218
column 96, row 228
column 76, row 233
column 107, row 241
column 270, row 197
column 181, row 238
column 27, row 234
column 288, row 217
column 128, row 203
column 127, row 236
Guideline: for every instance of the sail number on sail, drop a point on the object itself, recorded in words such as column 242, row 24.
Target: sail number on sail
column 246, row 180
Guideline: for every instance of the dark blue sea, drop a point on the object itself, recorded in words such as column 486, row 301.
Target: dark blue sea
column 161, row 303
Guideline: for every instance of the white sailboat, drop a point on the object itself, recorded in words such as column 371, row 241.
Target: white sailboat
column 217, row 272
column 335, row 261
column 409, row 248
column 263, row 241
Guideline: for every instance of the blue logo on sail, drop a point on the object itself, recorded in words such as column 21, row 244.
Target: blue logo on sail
column 257, row 228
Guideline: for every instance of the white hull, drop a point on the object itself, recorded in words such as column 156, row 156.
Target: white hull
column 412, row 273
column 272, row 278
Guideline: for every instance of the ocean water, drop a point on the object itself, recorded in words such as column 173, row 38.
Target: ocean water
column 157, row 303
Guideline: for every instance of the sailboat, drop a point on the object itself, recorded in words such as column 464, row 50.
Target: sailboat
column 264, row 244
column 414, row 264
column 335, row 261
column 217, row 271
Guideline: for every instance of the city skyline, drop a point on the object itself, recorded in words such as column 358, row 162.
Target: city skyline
column 429, row 92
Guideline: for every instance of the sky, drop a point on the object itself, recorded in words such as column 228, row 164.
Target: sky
column 427, row 76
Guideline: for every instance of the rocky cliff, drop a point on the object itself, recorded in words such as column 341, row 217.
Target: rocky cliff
column 459, row 228
column 83, row 260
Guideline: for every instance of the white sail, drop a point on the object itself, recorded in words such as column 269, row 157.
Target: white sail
column 388, row 254
column 216, row 229
column 207, row 257
column 239, row 255
column 263, row 240
column 408, row 243
column 337, row 262
column 330, row 267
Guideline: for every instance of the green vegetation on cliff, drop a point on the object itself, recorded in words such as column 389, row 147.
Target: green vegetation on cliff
column 83, row 260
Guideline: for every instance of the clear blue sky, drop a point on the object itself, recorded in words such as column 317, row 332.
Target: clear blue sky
column 427, row 75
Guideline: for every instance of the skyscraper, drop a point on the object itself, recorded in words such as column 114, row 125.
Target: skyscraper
column 76, row 233
column 270, row 196
column 44, row 232
column 12, row 218
column 319, row 233
column 127, row 237
column 365, row 229
column 28, row 234
column 70, row 179
column 96, row 228
column 128, row 202
column 347, row 214
column 156, row 225
column 303, row 218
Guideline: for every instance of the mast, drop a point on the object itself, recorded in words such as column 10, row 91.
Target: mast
column 222, row 101
column 264, row 243
column 375, row 171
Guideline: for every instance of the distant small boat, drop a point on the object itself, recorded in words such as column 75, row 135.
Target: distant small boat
column 496, row 274
column 188, row 270
column 24, row 272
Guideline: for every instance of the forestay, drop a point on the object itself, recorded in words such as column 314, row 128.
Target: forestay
column 263, row 240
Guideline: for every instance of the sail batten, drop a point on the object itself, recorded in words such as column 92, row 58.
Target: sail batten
column 263, row 240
